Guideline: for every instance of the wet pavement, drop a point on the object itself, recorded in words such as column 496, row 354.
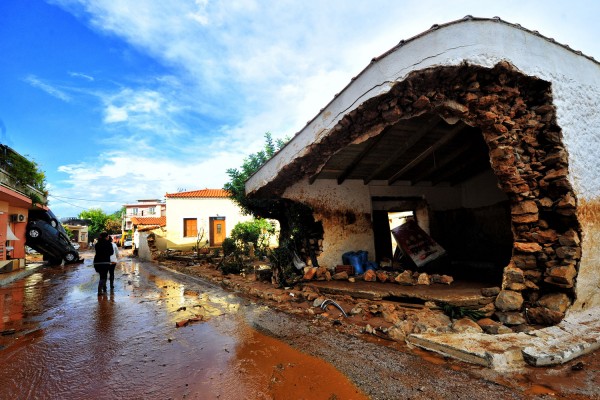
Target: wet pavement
column 61, row 341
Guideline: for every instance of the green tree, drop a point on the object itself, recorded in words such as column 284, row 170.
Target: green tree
column 98, row 218
column 296, row 221
column 238, row 177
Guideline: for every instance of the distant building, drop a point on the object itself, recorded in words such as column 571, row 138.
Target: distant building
column 154, row 208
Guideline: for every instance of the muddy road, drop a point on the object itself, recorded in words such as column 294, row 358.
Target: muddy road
column 161, row 335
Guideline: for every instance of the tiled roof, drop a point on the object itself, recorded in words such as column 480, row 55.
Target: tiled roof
column 160, row 221
column 204, row 193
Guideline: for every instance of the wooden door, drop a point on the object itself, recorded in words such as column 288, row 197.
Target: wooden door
column 217, row 230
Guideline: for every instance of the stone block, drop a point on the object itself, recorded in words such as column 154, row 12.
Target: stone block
column 558, row 302
column 530, row 247
column 569, row 238
column 544, row 316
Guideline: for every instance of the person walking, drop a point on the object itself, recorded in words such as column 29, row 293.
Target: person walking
column 113, row 263
column 104, row 250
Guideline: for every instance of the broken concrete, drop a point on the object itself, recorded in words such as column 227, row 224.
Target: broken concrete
column 576, row 335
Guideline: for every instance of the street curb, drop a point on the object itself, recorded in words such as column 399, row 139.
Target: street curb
column 7, row 279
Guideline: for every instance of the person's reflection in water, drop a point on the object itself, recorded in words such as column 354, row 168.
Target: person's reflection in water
column 104, row 334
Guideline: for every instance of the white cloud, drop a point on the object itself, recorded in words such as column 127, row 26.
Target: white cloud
column 46, row 87
column 114, row 114
column 237, row 69
column 82, row 76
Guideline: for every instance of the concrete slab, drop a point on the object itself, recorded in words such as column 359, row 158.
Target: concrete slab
column 459, row 293
column 576, row 335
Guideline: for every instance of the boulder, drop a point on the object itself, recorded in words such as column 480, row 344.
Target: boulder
column 509, row 300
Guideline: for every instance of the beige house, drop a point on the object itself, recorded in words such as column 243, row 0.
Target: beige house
column 207, row 213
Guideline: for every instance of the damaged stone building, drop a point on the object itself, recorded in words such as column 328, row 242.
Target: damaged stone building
column 489, row 134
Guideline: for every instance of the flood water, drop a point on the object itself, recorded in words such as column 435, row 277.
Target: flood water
column 62, row 341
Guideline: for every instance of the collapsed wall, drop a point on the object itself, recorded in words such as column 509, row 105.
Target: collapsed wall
column 516, row 116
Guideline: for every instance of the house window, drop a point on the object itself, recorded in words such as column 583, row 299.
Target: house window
column 152, row 210
column 134, row 211
column 190, row 227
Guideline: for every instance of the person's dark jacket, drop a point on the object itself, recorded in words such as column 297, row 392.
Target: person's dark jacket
column 103, row 252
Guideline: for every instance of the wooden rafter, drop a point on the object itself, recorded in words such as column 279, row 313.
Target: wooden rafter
column 404, row 147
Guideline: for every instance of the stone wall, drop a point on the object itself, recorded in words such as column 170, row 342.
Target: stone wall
column 517, row 119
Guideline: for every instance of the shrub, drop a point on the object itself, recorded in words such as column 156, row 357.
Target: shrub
column 258, row 231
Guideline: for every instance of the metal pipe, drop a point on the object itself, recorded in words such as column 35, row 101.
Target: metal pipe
column 327, row 301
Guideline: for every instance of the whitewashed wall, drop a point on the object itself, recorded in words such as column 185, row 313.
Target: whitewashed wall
column 201, row 209
column 575, row 83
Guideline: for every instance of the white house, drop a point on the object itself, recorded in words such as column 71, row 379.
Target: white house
column 489, row 133
column 209, row 213
column 153, row 208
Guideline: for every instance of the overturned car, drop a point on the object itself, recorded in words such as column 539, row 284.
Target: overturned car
column 46, row 235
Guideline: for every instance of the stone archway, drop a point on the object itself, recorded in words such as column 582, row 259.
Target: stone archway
column 517, row 119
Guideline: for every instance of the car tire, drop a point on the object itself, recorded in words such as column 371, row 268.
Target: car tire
column 34, row 233
column 71, row 257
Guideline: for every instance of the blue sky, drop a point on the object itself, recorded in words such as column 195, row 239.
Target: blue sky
column 132, row 99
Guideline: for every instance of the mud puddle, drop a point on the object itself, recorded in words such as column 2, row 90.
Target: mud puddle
column 68, row 343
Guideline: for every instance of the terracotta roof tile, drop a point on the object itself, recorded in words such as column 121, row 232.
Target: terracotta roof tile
column 204, row 193
column 160, row 221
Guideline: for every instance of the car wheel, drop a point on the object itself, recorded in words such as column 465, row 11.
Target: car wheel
column 71, row 257
column 34, row 233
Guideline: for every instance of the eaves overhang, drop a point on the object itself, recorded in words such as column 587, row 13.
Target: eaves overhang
column 481, row 42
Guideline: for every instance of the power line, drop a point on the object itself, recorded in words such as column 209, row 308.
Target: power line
column 73, row 198
column 71, row 204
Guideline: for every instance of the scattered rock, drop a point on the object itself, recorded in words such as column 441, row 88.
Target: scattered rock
column 490, row 326
column 405, row 278
column 318, row 301
column 487, row 310
column 340, row 276
column 511, row 318
column 370, row 276
column 381, row 276
column 323, row 274
column 466, row 325
column 310, row 273
column 423, row 279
